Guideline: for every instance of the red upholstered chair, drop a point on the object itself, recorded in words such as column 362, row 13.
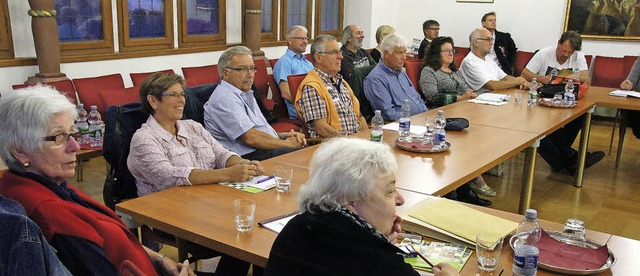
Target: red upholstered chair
column 119, row 97
column 413, row 71
column 272, row 62
column 522, row 58
column 89, row 89
column 261, row 81
column 201, row 75
column 628, row 64
column 294, row 82
column 137, row 78
column 308, row 56
column 64, row 86
column 589, row 58
column 608, row 72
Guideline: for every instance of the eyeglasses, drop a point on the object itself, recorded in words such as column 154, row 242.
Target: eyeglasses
column 449, row 51
column 60, row 138
column 331, row 53
column 175, row 95
column 244, row 70
column 301, row 38
column 486, row 39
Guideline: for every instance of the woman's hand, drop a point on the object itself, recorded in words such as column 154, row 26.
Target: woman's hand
column 244, row 172
column 444, row 269
column 169, row 267
column 395, row 229
column 256, row 163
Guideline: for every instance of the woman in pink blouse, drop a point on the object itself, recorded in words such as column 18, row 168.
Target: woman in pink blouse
column 167, row 151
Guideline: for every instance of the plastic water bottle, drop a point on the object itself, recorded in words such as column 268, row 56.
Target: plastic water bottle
column 525, row 257
column 533, row 92
column 82, row 125
column 569, row 96
column 439, row 135
column 376, row 127
column 405, row 122
column 95, row 127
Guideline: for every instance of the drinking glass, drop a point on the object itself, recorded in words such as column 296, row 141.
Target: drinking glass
column 429, row 123
column 518, row 95
column 244, row 211
column 574, row 229
column 488, row 250
column 283, row 175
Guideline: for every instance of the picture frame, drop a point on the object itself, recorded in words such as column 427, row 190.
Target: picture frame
column 474, row 1
column 603, row 19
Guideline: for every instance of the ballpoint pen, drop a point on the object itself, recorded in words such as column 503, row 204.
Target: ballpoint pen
column 264, row 179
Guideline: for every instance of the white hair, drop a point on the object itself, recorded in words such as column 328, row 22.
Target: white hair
column 391, row 42
column 24, row 120
column 225, row 58
column 342, row 170
column 294, row 29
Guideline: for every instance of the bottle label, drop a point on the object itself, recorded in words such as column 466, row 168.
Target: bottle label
column 526, row 262
column 405, row 125
column 376, row 136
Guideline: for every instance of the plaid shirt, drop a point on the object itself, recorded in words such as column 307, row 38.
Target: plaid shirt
column 315, row 107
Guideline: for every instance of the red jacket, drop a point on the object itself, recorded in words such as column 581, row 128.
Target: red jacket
column 57, row 216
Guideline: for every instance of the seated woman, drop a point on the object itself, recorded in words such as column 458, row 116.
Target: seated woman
column 381, row 33
column 348, row 216
column 443, row 84
column 167, row 151
column 632, row 82
column 37, row 144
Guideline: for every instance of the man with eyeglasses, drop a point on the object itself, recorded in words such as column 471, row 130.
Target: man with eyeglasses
column 563, row 58
column 324, row 101
column 353, row 54
column 233, row 117
column 431, row 30
column 293, row 62
column 387, row 86
column 504, row 49
column 481, row 73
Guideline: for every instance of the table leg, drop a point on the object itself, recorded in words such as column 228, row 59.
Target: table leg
column 527, row 178
column 623, row 131
column 584, row 143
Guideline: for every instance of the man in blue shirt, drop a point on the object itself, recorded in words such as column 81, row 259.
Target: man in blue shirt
column 293, row 62
column 233, row 117
column 387, row 86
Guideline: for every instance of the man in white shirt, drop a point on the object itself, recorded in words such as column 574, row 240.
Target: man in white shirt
column 558, row 60
column 481, row 73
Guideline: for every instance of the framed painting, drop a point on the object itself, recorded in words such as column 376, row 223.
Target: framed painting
column 604, row 19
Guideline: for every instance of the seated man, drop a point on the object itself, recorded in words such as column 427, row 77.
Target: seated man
column 481, row 73
column 387, row 86
column 232, row 116
column 293, row 62
column 431, row 30
column 324, row 101
column 562, row 59
column 354, row 55
column 504, row 49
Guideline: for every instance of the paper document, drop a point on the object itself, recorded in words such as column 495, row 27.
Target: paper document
column 624, row 93
column 486, row 102
column 493, row 97
column 415, row 129
column 256, row 184
column 278, row 223
column 460, row 220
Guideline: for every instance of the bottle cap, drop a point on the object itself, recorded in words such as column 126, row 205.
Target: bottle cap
column 531, row 214
column 94, row 107
column 378, row 112
column 440, row 112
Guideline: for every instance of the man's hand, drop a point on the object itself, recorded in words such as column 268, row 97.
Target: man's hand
column 626, row 85
column 545, row 79
column 296, row 139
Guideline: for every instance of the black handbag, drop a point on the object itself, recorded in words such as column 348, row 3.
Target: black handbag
column 456, row 124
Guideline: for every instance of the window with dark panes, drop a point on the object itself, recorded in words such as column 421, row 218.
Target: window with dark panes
column 269, row 22
column 79, row 21
column 296, row 12
column 329, row 15
column 146, row 18
column 201, row 23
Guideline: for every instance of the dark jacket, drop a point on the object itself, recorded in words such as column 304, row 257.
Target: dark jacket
column 332, row 244
column 505, row 49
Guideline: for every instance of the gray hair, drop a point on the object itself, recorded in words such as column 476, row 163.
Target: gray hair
column 225, row 58
column 319, row 45
column 346, row 34
column 294, row 29
column 474, row 36
column 343, row 170
column 391, row 42
column 24, row 120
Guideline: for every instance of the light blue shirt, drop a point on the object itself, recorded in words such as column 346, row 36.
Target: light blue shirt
column 386, row 90
column 229, row 113
column 291, row 64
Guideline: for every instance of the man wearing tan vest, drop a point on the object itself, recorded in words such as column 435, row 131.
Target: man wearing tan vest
column 324, row 101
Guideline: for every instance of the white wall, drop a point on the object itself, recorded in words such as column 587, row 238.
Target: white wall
column 533, row 24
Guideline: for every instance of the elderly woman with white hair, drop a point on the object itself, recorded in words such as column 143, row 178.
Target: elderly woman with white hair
column 38, row 144
column 348, row 216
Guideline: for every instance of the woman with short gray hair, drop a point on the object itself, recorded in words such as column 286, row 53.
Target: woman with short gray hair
column 348, row 216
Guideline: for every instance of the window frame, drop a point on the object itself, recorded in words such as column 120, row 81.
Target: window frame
column 103, row 46
column 127, row 44
column 187, row 41
column 6, row 38
column 283, row 19
column 273, row 35
column 318, row 21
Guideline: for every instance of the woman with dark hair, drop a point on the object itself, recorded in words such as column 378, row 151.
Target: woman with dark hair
column 440, row 80
column 443, row 84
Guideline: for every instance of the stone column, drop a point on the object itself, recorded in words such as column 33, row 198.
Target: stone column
column 253, row 26
column 45, row 38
